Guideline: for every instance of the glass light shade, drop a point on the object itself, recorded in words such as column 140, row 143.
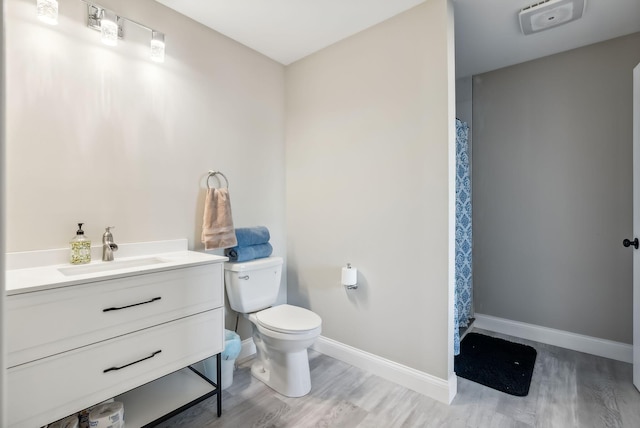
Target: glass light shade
column 109, row 28
column 47, row 11
column 157, row 46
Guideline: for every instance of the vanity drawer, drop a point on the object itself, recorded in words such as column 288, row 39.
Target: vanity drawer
column 48, row 322
column 51, row 388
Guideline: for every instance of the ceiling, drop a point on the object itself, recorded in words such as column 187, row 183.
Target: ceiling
column 488, row 34
column 287, row 30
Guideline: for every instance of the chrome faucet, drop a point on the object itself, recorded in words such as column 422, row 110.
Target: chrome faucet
column 108, row 246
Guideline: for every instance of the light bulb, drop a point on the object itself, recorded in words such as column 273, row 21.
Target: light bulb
column 47, row 11
column 157, row 46
column 109, row 28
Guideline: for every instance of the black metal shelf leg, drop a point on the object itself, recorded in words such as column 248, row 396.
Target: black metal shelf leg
column 219, row 382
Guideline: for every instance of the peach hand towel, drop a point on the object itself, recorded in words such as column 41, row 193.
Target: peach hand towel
column 217, row 224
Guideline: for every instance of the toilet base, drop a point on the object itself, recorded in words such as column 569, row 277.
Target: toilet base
column 286, row 373
column 282, row 361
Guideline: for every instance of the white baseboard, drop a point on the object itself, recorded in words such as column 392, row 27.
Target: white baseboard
column 439, row 389
column 564, row 339
column 431, row 386
column 247, row 349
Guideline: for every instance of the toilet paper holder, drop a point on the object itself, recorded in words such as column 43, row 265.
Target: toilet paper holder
column 350, row 277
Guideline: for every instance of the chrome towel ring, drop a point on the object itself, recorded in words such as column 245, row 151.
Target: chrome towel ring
column 214, row 173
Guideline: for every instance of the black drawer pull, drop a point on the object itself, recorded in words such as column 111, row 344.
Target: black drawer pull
column 112, row 369
column 155, row 299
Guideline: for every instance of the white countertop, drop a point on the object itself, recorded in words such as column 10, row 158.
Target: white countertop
column 43, row 277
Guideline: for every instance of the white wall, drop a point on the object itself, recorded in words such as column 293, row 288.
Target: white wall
column 105, row 136
column 552, row 182
column 370, row 128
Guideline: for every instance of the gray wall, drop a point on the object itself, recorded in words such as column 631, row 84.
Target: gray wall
column 369, row 140
column 552, row 190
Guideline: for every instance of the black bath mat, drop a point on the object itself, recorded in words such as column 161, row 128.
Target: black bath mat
column 496, row 363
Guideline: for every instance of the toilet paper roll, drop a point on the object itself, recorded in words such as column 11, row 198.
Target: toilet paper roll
column 108, row 415
column 349, row 275
column 68, row 422
column 84, row 414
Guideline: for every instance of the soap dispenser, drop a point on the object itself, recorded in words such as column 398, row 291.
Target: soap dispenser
column 80, row 248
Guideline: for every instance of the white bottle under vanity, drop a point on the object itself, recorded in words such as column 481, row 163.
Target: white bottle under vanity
column 128, row 328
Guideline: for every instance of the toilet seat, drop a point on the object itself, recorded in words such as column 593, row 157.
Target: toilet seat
column 288, row 319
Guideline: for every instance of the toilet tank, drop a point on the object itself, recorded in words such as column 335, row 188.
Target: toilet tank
column 254, row 285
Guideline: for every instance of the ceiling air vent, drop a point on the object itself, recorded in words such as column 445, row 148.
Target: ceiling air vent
column 549, row 14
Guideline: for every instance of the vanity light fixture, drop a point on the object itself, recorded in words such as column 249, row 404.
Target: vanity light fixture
column 157, row 46
column 103, row 20
column 109, row 27
column 47, row 11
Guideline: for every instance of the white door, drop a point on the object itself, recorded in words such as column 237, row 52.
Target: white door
column 636, row 226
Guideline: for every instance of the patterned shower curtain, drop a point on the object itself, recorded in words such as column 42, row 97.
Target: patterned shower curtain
column 463, row 294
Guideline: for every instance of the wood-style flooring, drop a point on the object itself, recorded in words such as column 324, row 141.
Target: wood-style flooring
column 569, row 389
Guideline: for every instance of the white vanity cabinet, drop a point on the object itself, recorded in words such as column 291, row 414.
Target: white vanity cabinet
column 94, row 337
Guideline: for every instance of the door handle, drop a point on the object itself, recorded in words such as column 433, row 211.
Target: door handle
column 628, row 243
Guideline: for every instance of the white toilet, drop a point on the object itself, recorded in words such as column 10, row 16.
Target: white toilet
column 281, row 334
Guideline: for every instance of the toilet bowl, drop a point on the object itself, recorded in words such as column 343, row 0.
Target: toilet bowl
column 282, row 334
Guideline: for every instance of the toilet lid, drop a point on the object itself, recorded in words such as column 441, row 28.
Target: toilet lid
column 288, row 319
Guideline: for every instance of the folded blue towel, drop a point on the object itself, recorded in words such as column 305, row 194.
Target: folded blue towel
column 243, row 254
column 252, row 236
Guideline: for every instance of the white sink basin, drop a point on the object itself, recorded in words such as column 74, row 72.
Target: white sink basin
column 39, row 270
column 98, row 267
